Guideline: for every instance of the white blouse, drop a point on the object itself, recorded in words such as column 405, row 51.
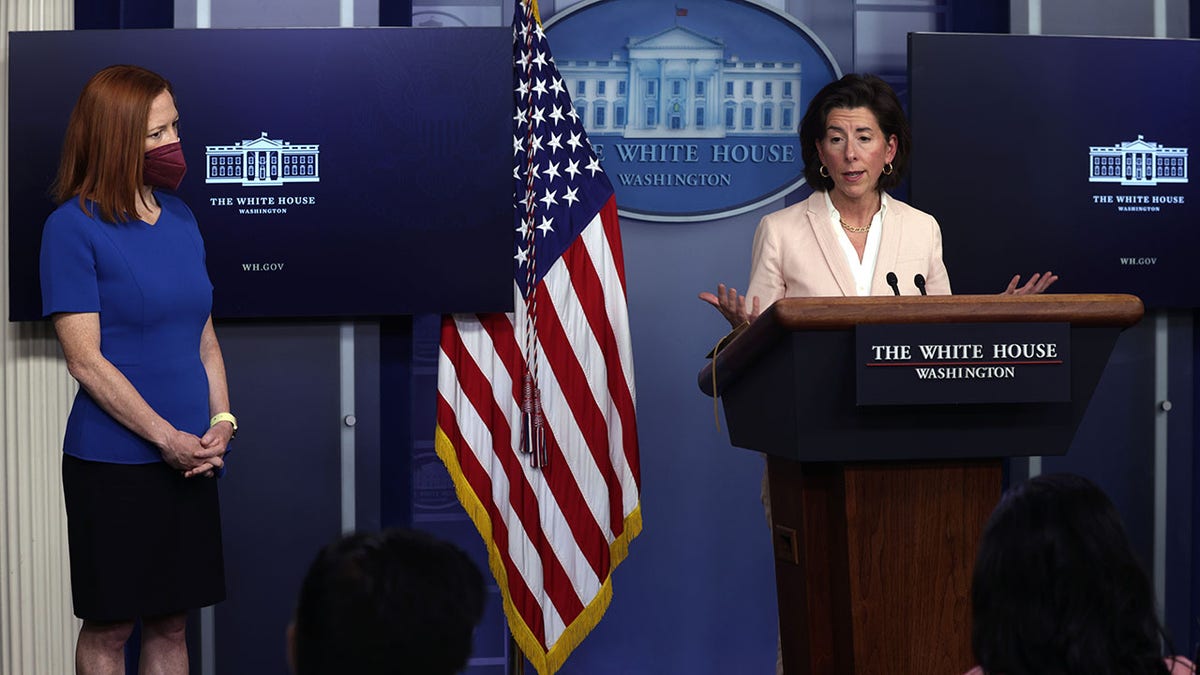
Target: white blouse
column 864, row 270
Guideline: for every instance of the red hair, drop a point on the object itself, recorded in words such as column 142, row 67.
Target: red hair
column 105, row 145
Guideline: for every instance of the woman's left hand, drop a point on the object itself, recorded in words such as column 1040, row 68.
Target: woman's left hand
column 217, row 437
column 1036, row 284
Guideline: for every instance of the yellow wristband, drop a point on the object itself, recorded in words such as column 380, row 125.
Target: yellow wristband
column 224, row 417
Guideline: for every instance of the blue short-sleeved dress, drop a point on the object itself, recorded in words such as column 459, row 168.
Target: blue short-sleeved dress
column 150, row 287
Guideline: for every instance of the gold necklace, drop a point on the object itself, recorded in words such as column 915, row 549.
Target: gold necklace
column 846, row 226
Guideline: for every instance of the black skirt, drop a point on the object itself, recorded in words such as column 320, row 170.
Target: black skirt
column 144, row 540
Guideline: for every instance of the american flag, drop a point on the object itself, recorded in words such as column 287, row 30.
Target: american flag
column 535, row 409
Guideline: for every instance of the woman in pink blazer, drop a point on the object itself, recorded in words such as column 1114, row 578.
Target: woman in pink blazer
column 849, row 236
column 1058, row 588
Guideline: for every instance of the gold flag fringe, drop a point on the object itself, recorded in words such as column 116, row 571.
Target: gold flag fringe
column 545, row 662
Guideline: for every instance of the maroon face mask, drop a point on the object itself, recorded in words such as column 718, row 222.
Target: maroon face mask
column 164, row 166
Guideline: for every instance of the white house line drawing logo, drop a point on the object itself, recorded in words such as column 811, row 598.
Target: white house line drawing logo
column 678, row 82
column 262, row 161
column 1139, row 162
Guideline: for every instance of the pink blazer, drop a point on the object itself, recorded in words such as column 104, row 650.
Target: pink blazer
column 796, row 254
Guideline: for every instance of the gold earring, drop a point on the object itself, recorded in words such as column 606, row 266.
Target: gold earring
column 887, row 169
column 823, row 171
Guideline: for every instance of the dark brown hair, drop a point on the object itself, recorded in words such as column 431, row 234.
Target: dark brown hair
column 103, row 151
column 855, row 91
column 1058, row 588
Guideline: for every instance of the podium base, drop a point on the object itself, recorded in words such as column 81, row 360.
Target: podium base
column 873, row 563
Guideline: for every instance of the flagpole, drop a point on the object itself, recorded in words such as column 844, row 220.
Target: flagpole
column 516, row 660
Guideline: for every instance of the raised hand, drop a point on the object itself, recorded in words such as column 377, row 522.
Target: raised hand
column 1036, row 284
column 732, row 305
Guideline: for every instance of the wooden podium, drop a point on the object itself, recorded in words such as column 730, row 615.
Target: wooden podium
column 877, row 510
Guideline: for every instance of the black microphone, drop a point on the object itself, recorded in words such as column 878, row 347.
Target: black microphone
column 891, row 279
column 920, row 282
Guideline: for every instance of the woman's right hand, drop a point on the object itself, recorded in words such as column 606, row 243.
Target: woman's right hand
column 732, row 305
column 184, row 452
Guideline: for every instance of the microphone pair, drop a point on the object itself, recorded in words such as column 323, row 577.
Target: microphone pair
column 918, row 280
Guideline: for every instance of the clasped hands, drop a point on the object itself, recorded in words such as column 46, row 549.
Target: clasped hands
column 198, row 455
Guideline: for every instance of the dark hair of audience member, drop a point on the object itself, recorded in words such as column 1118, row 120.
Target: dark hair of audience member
column 1058, row 590
column 396, row 601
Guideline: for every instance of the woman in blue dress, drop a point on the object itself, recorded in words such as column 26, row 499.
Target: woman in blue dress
column 124, row 281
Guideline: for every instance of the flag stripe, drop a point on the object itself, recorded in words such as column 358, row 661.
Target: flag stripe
column 532, row 547
column 529, row 555
column 554, row 551
column 481, row 436
column 564, row 485
column 573, row 378
column 517, row 554
column 562, row 422
column 624, row 393
column 614, row 262
column 519, row 593
column 590, row 284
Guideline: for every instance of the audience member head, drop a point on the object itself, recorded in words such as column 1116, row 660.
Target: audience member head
column 855, row 91
column 392, row 602
column 1058, row 589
